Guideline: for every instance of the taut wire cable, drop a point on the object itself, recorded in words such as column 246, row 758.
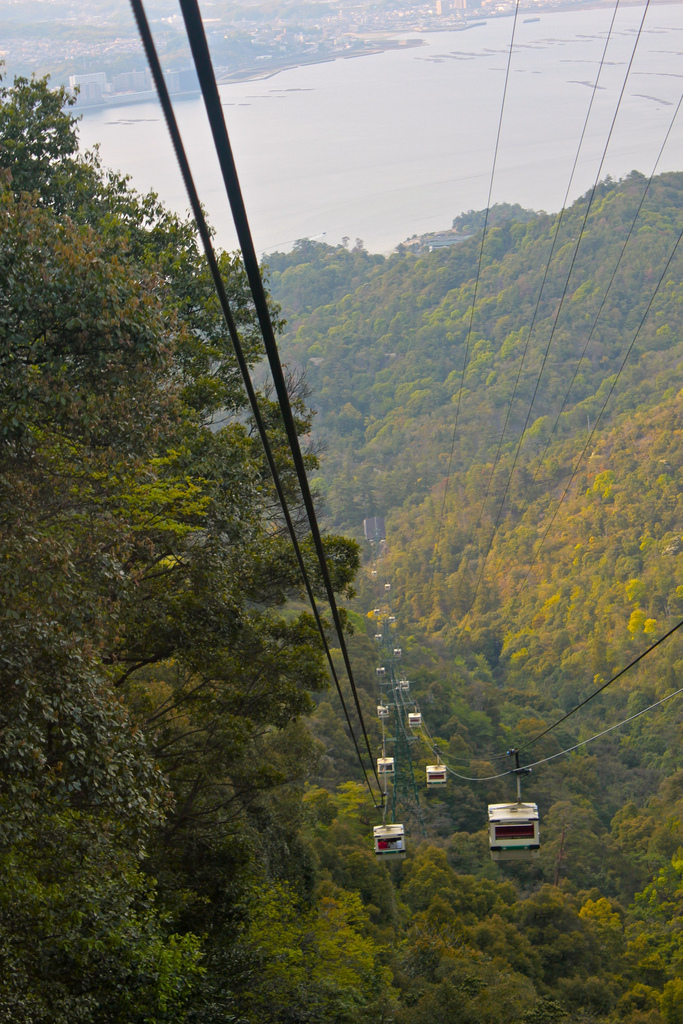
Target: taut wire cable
column 591, row 696
column 608, row 289
column 549, row 261
column 567, row 750
column 559, row 308
column 205, row 235
column 212, row 102
column 476, row 286
column 601, row 413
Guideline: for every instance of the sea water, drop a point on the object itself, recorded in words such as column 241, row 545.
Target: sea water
column 385, row 146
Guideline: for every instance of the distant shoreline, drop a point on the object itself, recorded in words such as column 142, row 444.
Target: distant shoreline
column 253, row 74
column 407, row 41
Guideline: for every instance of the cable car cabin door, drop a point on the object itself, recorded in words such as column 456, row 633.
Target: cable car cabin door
column 514, row 832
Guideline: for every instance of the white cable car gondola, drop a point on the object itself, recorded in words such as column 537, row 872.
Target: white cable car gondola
column 390, row 841
column 385, row 765
column 397, row 652
column 387, row 588
column 375, row 612
column 382, row 711
column 436, row 775
column 378, row 636
column 380, row 670
column 414, row 719
column 374, row 574
column 513, row 831
column 403, row 684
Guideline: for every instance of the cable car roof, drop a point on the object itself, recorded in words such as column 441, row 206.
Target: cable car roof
column 498, row 812
column 388, row 830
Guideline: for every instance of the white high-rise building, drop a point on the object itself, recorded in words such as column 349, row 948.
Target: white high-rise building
column 91, row 88
column 96, row 78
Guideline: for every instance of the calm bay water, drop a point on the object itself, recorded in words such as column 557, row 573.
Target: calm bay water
column 385, row 146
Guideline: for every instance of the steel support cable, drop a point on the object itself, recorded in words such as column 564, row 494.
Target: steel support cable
column 627, row 668
column 567, row 750
column 437, row 753
column 212, row 102
column 476, row 284
column 385, row 802
column 599, row 735
column 490, row 778
column 466, row 778
column 483, row 757
column 608, row 289
column 548, row 262
column 559, row 308
column 205, row 235
column 400, row 724
column 602, row 411
column 678, row 625
column 604, row 686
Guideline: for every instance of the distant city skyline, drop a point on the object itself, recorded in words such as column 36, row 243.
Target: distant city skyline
column 75, row 43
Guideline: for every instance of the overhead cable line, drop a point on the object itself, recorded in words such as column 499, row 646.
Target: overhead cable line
column 581, row 704
column 466, row 778
column 476, row 282
column 602, row 411
column 604, row 686
column 567, row 750
column 559, row 309
column 608, row 289
column 402, row 746
column 205, row 235
column 482, row 757
column 212, row 102
column 611, row 728
column 548, row 262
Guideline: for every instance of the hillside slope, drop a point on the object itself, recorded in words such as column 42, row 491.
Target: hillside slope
column 585, row 568
column 384, row 343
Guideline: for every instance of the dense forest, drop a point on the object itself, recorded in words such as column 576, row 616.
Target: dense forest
column 184, row 831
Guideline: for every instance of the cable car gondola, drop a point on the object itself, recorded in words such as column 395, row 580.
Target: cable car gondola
column 387, row 588
column 414, row 719
column 397, row 652
column 390, row 841
column 378, row 636
column 385, row 765
column 382, row 711
column 436, row 775
column 514, row 832
column 403, row 684
column 380, row 670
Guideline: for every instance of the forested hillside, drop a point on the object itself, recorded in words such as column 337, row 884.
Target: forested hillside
column 512, row 613
column 184, row 835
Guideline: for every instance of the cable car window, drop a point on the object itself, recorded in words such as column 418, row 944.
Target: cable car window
column 390, row 841
column 389, row 844
column 516, row 831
